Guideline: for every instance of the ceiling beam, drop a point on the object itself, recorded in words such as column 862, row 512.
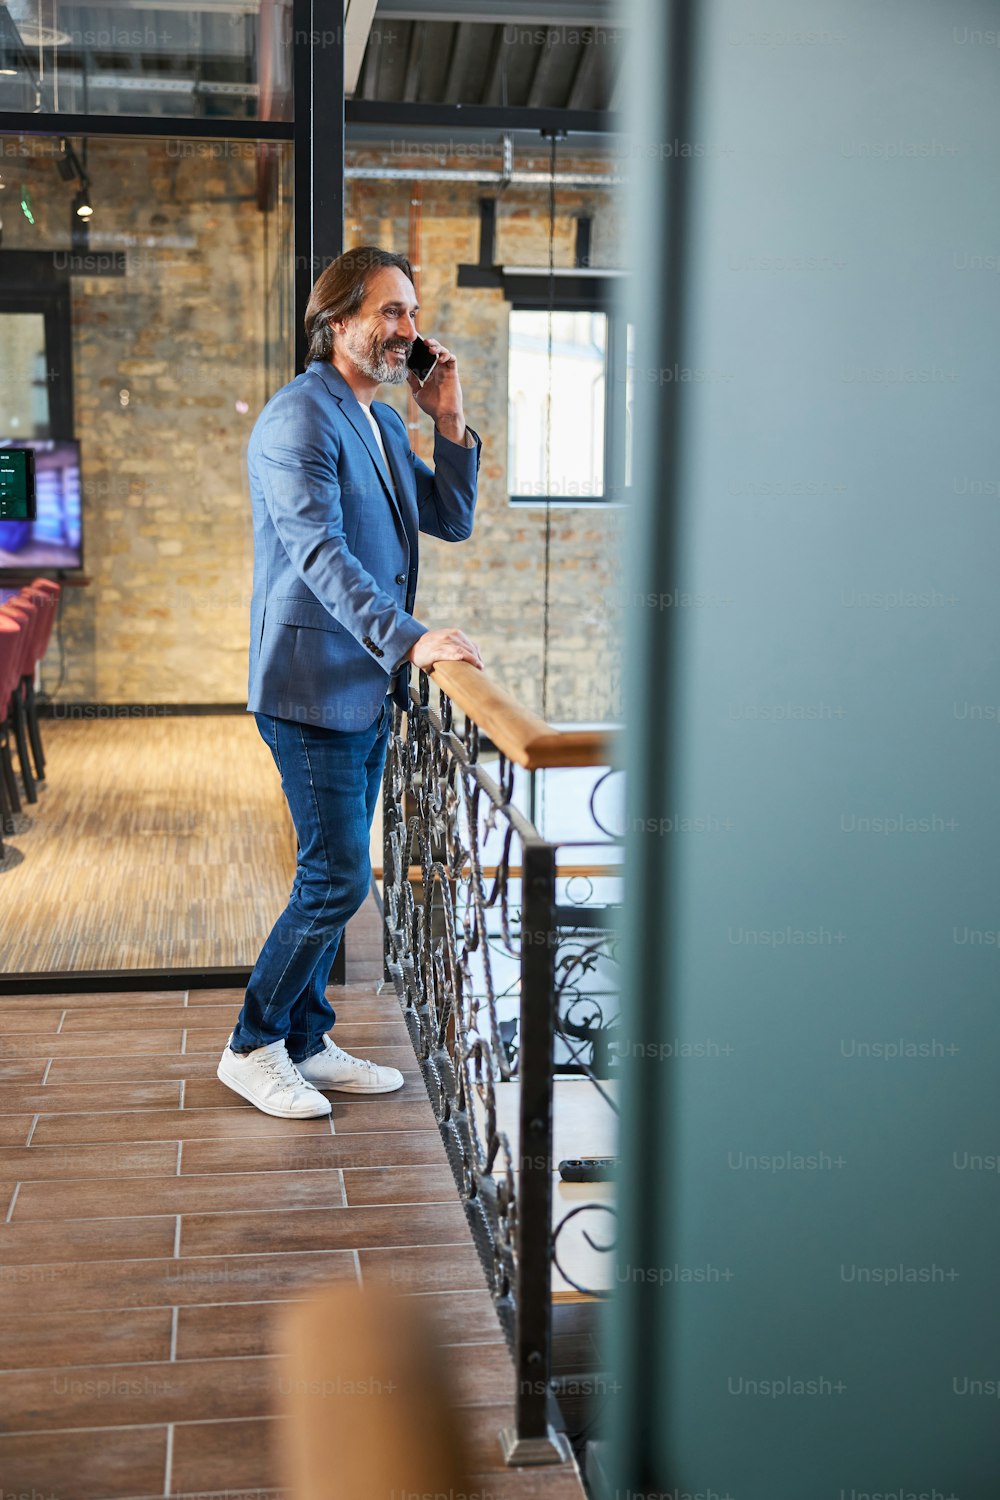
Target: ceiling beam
column 357, row 27
column 462, row 52
column 514, row 12
column 585, row 78
column 414, row 58
column 549, row 54
column 367, row 85
column 195, row 127
column 479, row 117
column 495, row 86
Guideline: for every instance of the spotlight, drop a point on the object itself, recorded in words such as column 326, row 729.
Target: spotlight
column 79, row 222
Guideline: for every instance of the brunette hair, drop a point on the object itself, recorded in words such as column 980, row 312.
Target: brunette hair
column 340, row 290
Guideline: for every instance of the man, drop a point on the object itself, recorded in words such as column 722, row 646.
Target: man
column 338, row 499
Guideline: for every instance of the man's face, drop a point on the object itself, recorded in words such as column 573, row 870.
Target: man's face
column 378, row 337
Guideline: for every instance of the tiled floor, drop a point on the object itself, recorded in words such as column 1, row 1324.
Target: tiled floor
column 154, row 1223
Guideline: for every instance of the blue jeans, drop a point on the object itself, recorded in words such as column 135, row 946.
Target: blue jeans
column 331, row 780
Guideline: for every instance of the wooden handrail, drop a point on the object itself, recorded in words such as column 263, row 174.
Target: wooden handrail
column 523, row 736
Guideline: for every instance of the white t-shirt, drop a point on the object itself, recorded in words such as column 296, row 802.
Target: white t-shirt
column 377, row 434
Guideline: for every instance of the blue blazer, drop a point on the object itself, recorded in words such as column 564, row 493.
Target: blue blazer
column 335, row 549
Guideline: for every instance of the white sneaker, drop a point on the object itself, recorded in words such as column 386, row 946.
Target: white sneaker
column 333, row 1068
column 270, row 1080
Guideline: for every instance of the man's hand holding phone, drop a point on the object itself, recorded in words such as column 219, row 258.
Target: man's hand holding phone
column 438, row 392
column 420, row 360
column 444, row 645
column 433, row 380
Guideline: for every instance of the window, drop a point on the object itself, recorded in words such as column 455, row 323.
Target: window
column 568, row 437
column 229, row 61
column 36, row 350
column 24, row 394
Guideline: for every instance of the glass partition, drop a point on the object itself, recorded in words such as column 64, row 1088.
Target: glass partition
column 153, row 334
column 213, row 59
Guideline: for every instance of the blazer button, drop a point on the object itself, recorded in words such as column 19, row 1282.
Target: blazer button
column 400, row 577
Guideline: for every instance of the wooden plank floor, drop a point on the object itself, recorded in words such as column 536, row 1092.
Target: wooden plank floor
column 155, row 843
column 153, row 1224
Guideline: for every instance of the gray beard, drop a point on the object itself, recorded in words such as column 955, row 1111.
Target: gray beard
column 373, row 360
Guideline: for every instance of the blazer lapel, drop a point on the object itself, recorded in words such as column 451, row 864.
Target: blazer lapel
column 350, row 406
column 402, row 472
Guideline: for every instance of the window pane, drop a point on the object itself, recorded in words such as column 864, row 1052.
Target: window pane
column 24, row 390
column 214, row 59
column 561, row 455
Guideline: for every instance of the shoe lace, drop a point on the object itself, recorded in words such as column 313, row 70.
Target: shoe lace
column 347, row 1057
column 283, row 1070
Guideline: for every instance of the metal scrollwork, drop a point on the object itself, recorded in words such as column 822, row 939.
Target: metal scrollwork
column 439, row 805
column 574, row 1213
column 492, row 972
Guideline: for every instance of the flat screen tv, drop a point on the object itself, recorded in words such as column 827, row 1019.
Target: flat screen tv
column 53, row 539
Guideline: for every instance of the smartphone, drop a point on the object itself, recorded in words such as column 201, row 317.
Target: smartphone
column 420, row 359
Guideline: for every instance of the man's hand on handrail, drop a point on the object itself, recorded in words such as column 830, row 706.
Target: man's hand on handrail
column 444, row 645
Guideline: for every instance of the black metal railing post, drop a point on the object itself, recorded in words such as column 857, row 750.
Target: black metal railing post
column 531, row 1439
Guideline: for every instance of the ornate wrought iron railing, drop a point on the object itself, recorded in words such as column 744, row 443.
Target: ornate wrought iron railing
column 493, row 963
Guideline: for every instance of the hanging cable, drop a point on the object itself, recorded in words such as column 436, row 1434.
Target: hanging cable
column 547, row 568
column 538, row 803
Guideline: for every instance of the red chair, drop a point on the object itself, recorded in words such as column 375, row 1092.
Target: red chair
column 29, row 618
column 48, row 595
column 45, row 596
column 11, row 653
column 53, row 590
